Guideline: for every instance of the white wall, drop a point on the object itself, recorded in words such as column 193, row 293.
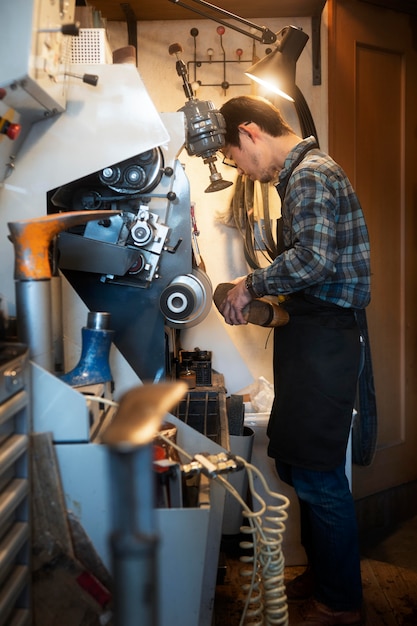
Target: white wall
column 242, row 354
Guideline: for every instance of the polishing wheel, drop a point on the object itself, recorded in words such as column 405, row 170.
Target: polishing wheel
column 187, row 300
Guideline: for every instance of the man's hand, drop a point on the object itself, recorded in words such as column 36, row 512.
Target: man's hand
column 232, row 306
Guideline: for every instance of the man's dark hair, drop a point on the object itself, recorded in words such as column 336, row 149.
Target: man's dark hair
column 242, row 109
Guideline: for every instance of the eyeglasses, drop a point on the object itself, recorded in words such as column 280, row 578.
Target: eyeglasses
column 229, row 162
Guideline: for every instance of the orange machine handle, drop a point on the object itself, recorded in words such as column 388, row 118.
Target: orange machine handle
column 31, row 240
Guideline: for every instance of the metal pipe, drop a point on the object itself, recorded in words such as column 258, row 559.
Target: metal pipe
column 133, row 540
column 34, row 320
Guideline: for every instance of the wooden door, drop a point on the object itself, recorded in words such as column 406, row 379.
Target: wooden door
column 373, row 135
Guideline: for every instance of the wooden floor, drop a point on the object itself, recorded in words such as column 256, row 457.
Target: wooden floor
column 390, row 594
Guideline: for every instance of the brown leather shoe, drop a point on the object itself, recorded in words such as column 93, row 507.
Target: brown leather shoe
column 317, row 614
column 301, row 587
column 262, row 312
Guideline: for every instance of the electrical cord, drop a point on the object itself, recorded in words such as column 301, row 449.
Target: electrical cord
column 101, row 400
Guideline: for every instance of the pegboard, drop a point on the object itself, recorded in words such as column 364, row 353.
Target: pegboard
column 89, row 48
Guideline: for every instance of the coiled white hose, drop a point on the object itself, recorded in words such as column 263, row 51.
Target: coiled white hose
column 266, row 602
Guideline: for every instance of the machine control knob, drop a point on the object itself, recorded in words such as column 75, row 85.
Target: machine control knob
column 71, row 29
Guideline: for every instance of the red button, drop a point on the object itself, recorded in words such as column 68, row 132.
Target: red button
column 11, row 130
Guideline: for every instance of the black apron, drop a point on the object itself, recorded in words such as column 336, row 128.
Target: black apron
column 316, row 364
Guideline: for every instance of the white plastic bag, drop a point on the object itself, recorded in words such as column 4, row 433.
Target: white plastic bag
column 261, row 395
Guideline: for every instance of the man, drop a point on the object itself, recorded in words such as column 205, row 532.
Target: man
column 324, row 272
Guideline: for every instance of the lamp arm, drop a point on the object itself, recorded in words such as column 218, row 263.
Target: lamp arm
column 267, row 36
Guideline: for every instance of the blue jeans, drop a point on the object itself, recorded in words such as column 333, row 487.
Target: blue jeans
column 329, row 533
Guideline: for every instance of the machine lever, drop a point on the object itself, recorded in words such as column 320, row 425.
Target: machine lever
column 172, row 250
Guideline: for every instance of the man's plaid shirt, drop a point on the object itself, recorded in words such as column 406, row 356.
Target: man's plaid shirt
column 327, row 251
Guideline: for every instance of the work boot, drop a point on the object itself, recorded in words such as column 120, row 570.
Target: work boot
column 315, row 613
column 262, row 312
column 301, row 587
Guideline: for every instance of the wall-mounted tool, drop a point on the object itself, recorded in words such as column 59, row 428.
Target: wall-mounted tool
column 205, row 126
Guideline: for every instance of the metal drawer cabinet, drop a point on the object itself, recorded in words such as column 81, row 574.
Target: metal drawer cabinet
column 15, row 572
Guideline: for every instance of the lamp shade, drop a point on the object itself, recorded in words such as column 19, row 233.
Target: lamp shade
column 276, row 71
